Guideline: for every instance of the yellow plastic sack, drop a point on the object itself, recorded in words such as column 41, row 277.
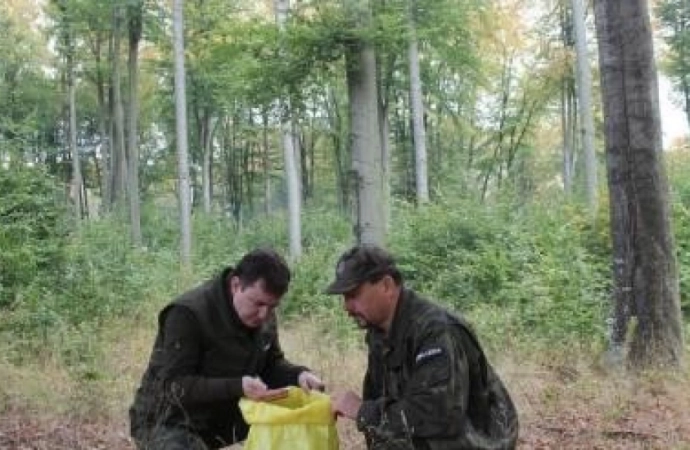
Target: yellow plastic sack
column 300, row 421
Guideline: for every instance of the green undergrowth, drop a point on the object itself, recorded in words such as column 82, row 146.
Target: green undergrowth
column 523, row 275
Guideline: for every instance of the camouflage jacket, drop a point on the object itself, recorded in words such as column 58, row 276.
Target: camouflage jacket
column 429, row 386
column 194, row 377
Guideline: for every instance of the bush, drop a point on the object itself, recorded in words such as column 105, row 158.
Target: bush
column 33, row 234
column 679, row 165
column 534, row 272
column 106, row 277
column 532, row 262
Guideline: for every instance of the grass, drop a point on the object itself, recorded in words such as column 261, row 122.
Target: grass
column 566, row 398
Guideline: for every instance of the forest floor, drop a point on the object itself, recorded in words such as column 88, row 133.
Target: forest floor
column 565, row 401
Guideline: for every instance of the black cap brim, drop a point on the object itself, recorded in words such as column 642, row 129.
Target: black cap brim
column 341, row 286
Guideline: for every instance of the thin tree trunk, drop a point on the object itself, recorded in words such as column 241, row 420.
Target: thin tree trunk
column 76, row 182
column 302, row 144
column 385, row 79
column 385, row 159
column 685, row 84
column 135, row 26
column 119, row 152
column 367, row 165
column 294, row 197
column 266, row 164
column 291, row 167
column 417, row 105
column 181, row 127
column 567, row 139
column 112, row 161
column 105, row 145
column 339, row 153
column 584, row 95
column 206, row 136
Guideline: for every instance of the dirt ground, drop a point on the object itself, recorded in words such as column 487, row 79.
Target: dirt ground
column 565, row 401
column 590, row 414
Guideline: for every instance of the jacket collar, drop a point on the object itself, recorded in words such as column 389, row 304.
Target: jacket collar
column 398, row 324
column 392, row 343
column 225, row 297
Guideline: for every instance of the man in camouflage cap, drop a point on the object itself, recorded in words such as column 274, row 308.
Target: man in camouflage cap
column 428, row 384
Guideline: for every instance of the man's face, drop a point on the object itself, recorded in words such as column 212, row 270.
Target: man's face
column 253, row 304
column 366, row 305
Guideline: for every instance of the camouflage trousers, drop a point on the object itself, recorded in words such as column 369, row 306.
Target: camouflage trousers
column 379, row 442
column 391, row 445
column 171, row 438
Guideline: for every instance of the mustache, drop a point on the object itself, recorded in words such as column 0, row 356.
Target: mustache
column 361, row 321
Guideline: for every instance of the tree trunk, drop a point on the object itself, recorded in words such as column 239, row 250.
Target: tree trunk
column 417, row 106
column 266, row 151
column 385, row 158
column 119, row 163
column 105, row 142
column 645, row 272
column 234, row 167
column 181, row 127
column 77, row 183
column 335, row 122
column 367, row 165
column 294, row 196
column 685, row 86
column 206, row 140
column 135, row 26
column 292, row 179
column 584, row 95
column 568, row 144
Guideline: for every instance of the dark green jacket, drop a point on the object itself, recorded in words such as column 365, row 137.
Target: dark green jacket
column 194, row 376
column 429, row 386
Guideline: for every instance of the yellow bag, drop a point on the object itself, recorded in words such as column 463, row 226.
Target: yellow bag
column 300, row 421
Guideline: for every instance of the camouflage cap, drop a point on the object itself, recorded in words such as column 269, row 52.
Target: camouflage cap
column 360, row 264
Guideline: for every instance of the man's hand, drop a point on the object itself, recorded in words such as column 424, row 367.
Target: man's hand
column 253, row 387
column 308, row 381
column 346, row 404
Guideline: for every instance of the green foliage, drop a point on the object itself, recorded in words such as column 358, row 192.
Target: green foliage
column 674, row 17
column 679, row 165
column 681, row 225
column 533, row 263
column 29, row 100
column 219, row 242
column 105, row 277
column 537, row 273
column 33, row 232
column 326, row 235
column 99, row 277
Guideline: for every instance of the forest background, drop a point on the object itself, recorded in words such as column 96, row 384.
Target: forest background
column 489, row 184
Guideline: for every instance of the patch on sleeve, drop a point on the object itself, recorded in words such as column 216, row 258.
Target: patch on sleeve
column 428, row 353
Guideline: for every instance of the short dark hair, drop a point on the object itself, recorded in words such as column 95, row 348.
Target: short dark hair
column 360, row 264
column 264, row 264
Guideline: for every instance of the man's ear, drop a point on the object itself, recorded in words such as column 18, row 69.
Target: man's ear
column 234, row 284
column 388, row 283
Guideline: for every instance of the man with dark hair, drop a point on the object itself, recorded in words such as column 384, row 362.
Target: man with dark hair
column 215, row 344
column 428, row 384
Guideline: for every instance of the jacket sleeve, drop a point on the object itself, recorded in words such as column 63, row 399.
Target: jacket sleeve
column 181, row 356
column 433, row 401
column 279, row 372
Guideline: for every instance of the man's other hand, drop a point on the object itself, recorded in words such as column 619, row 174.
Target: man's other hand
column 253, row 387
column 308, row 381
column 346, row 404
